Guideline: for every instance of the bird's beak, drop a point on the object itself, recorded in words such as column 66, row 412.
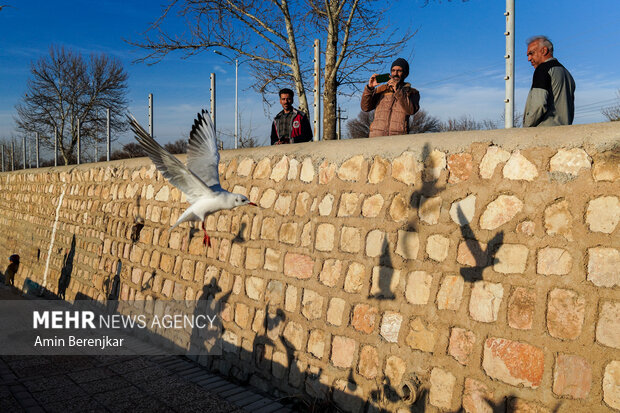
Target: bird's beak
column 252, row 203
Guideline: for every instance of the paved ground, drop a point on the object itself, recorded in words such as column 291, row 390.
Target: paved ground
column 119, row 384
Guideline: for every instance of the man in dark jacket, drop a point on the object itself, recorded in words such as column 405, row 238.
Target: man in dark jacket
column 551, row 101
column 393, row 102
column 290, row 125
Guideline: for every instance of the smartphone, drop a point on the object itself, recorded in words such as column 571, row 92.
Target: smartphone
column 383, row 78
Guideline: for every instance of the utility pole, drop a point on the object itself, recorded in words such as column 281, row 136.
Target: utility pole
column 24, row 152
column 79, row 150
column 37, row 148
column 151, row 114
column 107, row 126
column 2, row 157
column 510, row 64
column 12, row 155
column 317, row 91
column 55, row 146
column 340, row 118
column 212, row 100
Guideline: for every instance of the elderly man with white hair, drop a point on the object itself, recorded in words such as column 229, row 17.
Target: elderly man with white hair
column 551, row 101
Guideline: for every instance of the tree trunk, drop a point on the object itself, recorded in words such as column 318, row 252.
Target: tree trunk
column 330, row 94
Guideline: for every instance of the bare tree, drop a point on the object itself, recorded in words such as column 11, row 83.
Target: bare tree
column 421, row 122
column 65, row 87
column 278, row 36
column 179, row 146
column 612, row 113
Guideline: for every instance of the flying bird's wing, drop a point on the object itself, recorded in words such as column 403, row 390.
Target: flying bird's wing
column 202, row 154
column 170, row 167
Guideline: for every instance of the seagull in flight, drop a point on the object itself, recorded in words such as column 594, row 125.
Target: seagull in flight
column 199, row 180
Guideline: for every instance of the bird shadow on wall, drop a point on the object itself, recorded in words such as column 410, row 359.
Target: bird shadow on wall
column 66, row 270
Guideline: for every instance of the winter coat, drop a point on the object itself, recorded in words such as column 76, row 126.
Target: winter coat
column 392, row 109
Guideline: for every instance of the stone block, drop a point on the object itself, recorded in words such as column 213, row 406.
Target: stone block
column 472, row 253
column 460, row 166
column 372, row 206
column 330, row 273
column 404, row 168
column 476, row 397
column 298, row 266
column 325, row 234
column 513, row 362
column 608, row 326
column 429, row 209
column 302, row 204
column 526, row 227
column 348, row 204
column 493, row 157
column 516, row 405
column 604, row 266
column 461, row 344
column 283, row 204
column 376, row 243
column 385, row 282
column 434, row 163
column 603, row 214
column 244, row 169
column 335, row 311
column 295, row 335
column 450, row 293
column 364, row 318
column 307, row 171
column 326, row 205
column 565, row 314
column 390, row 326
column 611, row 385
column 421, row 336
column 279, row 364
column 368, row 365
column 343, row 351
column 312, row 304
column 442, row 387
column 572, row 376
column 486, row 297
column 263, row 169
column 395, row 368
column 418, row 288
column 327, row 172
column 518, row 168
column 316, row 343
column 280, row 169
column 399, row 209
column 268, row 198
column 291, row 298
column 350, row 239
column 253, row 258
column 437, row 247
column 288, row 233
column 272, row 259
column 606, row 166
column 521, row 308
column 570, row 161
column 275, row 292
column 511, row 259
column 553, row 261
column 408, row 244
column 462, row 211
column 242, row 315
column 378, row 170
column 269, row 229
column 348, row 396
column 500, row 211
column 351, row 169
column 558, row 220
column 354, row 280
column 293, row 169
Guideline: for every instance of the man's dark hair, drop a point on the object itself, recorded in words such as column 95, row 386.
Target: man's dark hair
column 286, row 91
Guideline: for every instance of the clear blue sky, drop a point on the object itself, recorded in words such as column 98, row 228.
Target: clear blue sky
column 456, row 58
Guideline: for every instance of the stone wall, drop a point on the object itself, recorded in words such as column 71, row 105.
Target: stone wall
column 480, row 269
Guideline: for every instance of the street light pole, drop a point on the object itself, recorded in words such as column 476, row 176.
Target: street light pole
column 236, row 103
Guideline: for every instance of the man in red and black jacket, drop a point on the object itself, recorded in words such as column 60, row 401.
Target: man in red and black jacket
column 290, row 125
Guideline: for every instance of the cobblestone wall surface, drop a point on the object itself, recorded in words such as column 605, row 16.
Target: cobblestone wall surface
column 480, row 268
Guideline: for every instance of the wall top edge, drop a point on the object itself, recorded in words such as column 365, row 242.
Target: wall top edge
column 600, row 136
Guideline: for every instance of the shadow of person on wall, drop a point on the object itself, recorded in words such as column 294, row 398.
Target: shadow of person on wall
column 67, row 269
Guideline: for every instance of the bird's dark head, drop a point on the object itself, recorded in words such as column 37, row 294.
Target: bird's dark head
column 242, row 200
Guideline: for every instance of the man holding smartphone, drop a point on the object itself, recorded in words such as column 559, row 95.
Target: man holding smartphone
column 393, row 102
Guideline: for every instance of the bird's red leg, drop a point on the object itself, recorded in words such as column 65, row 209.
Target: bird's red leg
column 207, row 239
